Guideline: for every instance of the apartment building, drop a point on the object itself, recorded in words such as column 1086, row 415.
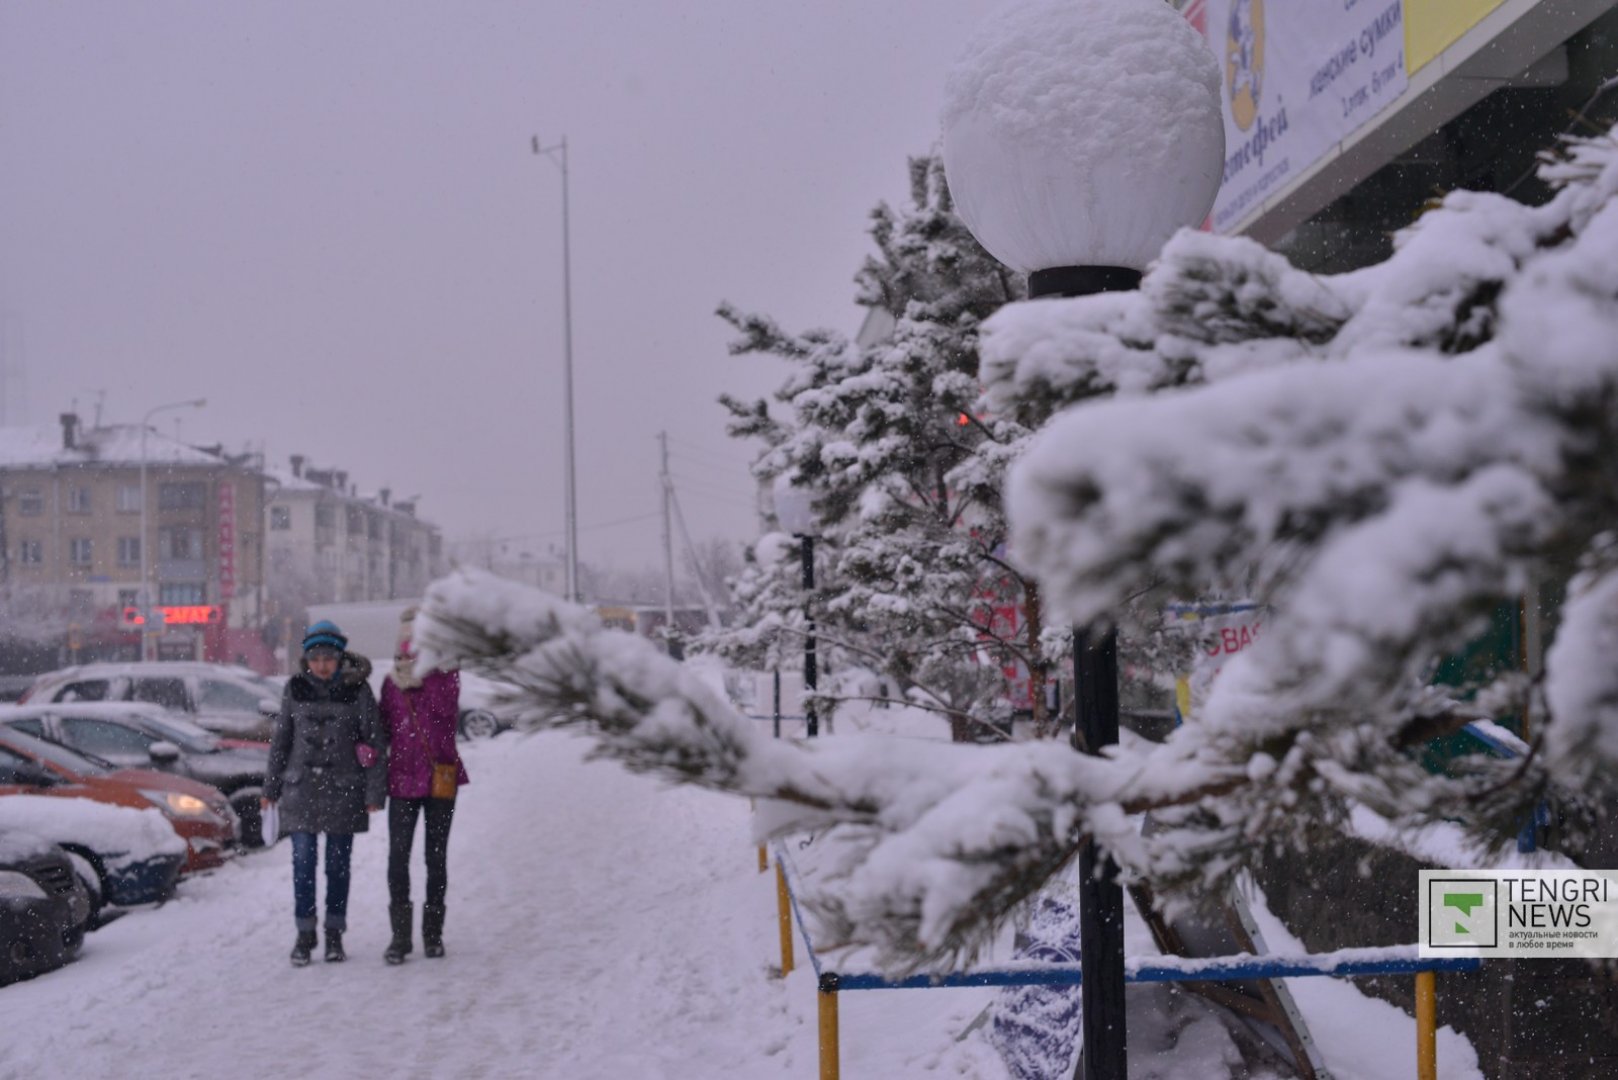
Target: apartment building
column 72, row 546
column 329, row 543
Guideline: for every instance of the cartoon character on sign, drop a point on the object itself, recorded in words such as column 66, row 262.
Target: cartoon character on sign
column 1244, row 60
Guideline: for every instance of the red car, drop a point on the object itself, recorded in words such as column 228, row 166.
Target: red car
column 199, row 813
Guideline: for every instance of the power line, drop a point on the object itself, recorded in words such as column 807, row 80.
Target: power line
column 558, row 532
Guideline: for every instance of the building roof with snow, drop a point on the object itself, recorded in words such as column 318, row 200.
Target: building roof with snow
column 46, row 446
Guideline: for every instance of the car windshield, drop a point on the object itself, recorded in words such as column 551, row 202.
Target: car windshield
column 228, row 695
column 182, row 733
column 59, row 755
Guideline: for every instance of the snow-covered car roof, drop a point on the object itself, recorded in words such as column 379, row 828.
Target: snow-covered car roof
column 135, row 668
column 111, row 709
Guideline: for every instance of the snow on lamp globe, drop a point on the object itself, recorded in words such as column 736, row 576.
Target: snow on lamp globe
column 1079, row 136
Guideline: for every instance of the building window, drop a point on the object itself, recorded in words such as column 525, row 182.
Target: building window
column 179, row 542
column 129, row 551
column 181, row 594
column 30, row 502
column 78, row 500
column 280, row 517
column 182, row 496
column 30, row 551
column 78, row 551
column 325, row 516
column 127, row 597
column 129, row 498
column 356, row 521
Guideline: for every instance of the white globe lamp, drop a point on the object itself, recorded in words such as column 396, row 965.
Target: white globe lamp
column 794, row 506
column 1079, row 135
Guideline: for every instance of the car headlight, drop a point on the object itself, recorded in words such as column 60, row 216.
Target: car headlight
column 179, row 803
column 15, row 885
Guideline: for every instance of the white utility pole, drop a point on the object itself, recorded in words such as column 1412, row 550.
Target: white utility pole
column 558, row 154
column 668, row 534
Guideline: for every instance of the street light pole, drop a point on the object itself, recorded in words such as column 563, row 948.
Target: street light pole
column 558, row 154
column 1048, row 189
column 144, row 596
column 811, row 664
column 793, row 507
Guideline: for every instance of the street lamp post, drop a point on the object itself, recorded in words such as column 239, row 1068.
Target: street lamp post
column 144, row 597
column 558, row 154
column 1079, row 135
column 794, row 509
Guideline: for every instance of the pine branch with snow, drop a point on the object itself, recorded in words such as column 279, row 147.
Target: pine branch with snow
column 1380, row 458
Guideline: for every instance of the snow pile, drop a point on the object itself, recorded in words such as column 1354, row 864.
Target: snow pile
column 1082, row 132
column 121, row 835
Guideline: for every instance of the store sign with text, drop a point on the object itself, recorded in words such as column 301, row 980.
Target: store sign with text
column 1298, row 78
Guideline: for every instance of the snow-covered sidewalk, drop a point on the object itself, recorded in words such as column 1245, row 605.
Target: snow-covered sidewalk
column 600, row 925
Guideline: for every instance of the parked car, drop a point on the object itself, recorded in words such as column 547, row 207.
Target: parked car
column 121, row 855
column 13, row 687
column 235, row 702
column 43, row 907
column 478, row 720
column 133, row 735
column 198, row 813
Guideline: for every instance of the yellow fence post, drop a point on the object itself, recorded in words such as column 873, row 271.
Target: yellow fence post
column 1426, row 1026
column 763, row 856
column 784, row 918
column 830, row 1052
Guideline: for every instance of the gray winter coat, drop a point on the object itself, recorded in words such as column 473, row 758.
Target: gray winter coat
column 315, row 774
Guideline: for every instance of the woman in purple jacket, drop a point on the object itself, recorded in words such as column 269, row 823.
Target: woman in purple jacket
column 422, row 713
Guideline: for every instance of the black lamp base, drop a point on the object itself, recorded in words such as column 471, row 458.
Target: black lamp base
column 1081, row 280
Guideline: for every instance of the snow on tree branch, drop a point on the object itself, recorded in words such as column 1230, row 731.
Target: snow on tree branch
column 936, row 842
column 1380, row 457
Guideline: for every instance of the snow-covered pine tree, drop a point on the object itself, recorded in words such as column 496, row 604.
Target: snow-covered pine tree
column 1382, row 456
column 907, row 475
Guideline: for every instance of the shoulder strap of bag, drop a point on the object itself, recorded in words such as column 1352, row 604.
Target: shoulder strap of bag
column 421, row 734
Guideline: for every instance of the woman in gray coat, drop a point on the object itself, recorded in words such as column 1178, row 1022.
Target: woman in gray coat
column 327, row 774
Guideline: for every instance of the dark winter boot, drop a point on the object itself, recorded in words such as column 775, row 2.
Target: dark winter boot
column 303, row 947
column 432, row 930
column 334, row 947
column 400, row 916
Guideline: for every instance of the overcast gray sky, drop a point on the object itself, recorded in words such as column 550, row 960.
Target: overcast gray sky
column 326, row 218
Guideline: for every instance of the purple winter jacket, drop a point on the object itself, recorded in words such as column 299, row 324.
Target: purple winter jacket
column 436, row 704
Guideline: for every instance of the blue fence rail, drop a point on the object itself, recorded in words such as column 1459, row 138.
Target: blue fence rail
column 1347, row 963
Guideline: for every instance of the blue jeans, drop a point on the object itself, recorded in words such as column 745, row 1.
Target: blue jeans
column 339, row 847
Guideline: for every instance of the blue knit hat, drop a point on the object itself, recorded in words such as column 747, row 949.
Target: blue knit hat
column 324, row 635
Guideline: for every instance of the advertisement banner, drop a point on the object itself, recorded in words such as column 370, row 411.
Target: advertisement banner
column 1434, row 25
column 1223, row 630
column 1299, row 77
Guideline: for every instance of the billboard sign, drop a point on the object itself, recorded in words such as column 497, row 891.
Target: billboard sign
column 1298, row 80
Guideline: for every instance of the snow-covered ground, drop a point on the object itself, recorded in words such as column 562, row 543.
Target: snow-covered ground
column 600, row 926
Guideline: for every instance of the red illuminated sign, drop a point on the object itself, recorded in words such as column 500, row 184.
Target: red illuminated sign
column 177, row 615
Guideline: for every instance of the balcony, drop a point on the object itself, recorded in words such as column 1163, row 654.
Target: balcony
column 182, row 570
